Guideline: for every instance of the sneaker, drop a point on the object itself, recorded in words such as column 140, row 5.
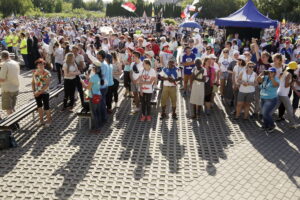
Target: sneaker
column 174, row 116
column 47, row 124
column 42, row 123
column 149, row 118
column 295, row 126
column 280, row 119
column 263, row 128
column 163, row 116
column 143, row 118
column 254, row 116
column 270, row 130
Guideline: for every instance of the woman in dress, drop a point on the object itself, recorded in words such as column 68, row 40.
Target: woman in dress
column 197, row 91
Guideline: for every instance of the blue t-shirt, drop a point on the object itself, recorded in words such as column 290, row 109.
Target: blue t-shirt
column 105, row 73
column 195, row 51
column 110, row 75
column 268, row 91
column 190, row 58
column 95, row 79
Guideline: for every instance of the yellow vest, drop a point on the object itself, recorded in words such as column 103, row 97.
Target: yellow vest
column 15, row 41
column 22, row 45
column 8, row 40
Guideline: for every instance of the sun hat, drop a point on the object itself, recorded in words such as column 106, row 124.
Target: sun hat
column 292, row 65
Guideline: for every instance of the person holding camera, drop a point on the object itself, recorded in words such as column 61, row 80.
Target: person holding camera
column 247, row 81
column 269, row 84
column 286, row 82
column 170, row 75
column 296, row 89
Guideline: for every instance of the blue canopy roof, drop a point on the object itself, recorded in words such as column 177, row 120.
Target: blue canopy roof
column 247, row 16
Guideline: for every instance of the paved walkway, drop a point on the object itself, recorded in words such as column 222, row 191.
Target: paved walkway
column 211, row 158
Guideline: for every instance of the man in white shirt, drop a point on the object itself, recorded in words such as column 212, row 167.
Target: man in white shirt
column 9, row 79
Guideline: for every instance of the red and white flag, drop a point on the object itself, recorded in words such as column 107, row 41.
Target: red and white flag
column 129, row 6
column 277, row 32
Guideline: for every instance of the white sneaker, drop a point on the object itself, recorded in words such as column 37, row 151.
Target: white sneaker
column 295, row 126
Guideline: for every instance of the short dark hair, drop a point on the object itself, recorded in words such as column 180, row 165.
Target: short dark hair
column 102, row 54
column 137, row 54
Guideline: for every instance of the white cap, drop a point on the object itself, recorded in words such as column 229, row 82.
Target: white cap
column 150, row 53
column 236, row 52
column 196, row 30
column 242, row 57
column 212, row 56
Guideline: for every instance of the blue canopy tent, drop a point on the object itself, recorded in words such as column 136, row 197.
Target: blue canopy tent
column 248, row 17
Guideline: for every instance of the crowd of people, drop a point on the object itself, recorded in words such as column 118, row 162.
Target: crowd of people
column 91, row 56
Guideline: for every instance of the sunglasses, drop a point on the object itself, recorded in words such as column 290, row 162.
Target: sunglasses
column 225, row 51
column 252, row 66
column 208, row 49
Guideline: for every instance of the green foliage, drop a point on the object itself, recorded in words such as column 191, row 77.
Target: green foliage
column 8, row 7
column 58, row 6
column 77, row 4
column 170, row 21
column 94, row 5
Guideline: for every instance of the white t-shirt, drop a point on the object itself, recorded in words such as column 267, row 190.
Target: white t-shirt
column 140, row 68
column 166, row 82
column 59, row 55
column 146, row 76
column 224, row 63
column 297, row 73
column 238, row 70
column 79, row 58
column 278, row 70
column 73, row 68
column 282, row 90
column 165, row 57
column 249, row 79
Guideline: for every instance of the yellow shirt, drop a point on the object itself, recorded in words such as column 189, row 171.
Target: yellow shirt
column 15, row 40
column 8, row 40
column 23, row 46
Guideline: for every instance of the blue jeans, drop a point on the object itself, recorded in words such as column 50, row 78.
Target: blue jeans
column 96, row 115
column 267, row 106
column 103, row 104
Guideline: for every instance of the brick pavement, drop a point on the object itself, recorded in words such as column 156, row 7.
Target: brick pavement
column 212, row 158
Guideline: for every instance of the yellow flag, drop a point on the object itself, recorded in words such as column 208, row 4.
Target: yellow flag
column 283, row 21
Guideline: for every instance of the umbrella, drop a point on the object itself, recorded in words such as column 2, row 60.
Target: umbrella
column 190, row 25
column 106, row 29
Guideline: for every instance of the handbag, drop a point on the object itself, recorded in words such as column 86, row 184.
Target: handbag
column 7, row 140
column 96, row 99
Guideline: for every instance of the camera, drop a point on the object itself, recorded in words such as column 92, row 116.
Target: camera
column 82, row 76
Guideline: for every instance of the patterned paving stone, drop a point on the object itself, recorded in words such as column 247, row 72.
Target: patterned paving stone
column 168, row 159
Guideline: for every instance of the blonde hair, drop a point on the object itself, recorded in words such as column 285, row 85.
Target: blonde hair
column 69, row 60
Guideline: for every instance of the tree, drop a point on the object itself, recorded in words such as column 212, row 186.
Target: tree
column 77, row 4
column 8, row 7
column 58, row 6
